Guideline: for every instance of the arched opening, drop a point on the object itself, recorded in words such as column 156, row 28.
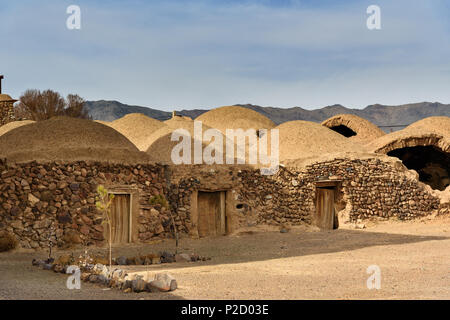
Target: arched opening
column 431, row 163
column 344, row 130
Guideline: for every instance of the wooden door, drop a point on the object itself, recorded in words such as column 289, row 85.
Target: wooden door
column 120, row 219
column 211, row 213
column 325, row 208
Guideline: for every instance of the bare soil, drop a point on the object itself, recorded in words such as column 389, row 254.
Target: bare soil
column 414, row 259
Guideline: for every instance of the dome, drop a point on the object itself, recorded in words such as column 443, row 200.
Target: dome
column 235, row 117
column 13, row 125
column 437, row 124
column 68, row 139
column 161, row 145
column 137, row 127
column 353, row 127
column 302, row 139
column 6, row 98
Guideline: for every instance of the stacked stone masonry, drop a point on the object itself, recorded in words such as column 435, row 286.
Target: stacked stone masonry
column 56, row 201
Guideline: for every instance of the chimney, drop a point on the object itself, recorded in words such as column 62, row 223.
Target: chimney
column 1, row 78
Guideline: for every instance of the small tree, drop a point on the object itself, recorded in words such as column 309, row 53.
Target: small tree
column 104, row 201
column 42, row 105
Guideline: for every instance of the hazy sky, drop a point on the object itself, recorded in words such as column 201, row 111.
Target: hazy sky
column 205, row 53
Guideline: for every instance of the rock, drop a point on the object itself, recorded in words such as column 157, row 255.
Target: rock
column 17, row 224
column 102, row 279
column 182, row 257
column 85, row 276
column 138, row 285
column 58, row 268
column 47, row 266
column 32, row 199
column 64, row 260
column 121, row 261
column 195, row 257
column 163, row 282
column 37, row 262
column 46, row 196
column 167, row 257
column 84, row 230
column 156, row 260
column 138, row 261
column 93, row 278
column 128, row 290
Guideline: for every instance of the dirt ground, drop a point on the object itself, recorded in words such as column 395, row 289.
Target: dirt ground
column 414, row 259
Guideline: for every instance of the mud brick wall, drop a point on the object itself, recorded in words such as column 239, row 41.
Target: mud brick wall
column 56, row 201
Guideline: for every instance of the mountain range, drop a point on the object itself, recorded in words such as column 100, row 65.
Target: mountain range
column 389, row 118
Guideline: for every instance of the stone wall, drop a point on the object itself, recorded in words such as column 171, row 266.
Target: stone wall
column 6, row 112
column 56, row 201
column 370, row 188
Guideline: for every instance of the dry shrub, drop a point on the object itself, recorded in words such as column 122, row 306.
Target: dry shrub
column 7, row 242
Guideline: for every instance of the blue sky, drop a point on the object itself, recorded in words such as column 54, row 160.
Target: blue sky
column 205, row 53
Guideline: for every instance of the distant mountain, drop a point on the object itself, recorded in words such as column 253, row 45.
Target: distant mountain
column 387, row 117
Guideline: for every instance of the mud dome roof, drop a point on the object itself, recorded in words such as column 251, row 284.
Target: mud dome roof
column 304, row 139
column 137, row 127
column 68, row 139
column 415, row 135
column 13, row 125
column 235, row 117
column 440, row 125
column 6, row 98
column 160, row 144
column 365, row 130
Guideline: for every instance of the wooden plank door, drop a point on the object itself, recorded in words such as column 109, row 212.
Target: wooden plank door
column 211, row 213
column 120, row 219
column 325, row 208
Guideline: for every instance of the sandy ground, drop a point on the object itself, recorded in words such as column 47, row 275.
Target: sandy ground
column 414, row 259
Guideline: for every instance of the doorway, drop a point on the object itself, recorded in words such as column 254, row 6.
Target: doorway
column 120, row 216
column 212, row 219
column 326, row 217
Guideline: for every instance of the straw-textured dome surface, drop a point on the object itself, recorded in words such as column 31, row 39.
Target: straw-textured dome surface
column 161, row 146
column 438, row 124
column 5, row 97
column 137, row 128
column 303, row 139
column 106, row 123
column 235, row 117
column 365, row 130
column 68, row 139
column 412, row 136
column 13, row 125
